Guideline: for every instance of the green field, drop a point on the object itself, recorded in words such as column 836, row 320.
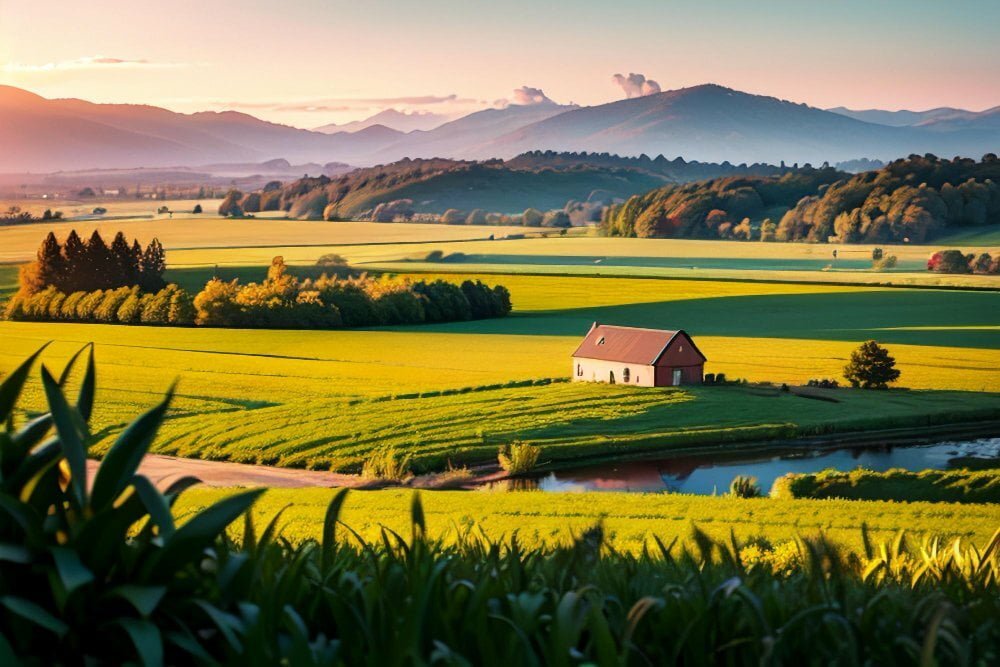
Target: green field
column 326, row 399
column 630, row 520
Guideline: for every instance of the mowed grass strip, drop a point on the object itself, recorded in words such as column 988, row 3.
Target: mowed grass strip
column 568, row 421
column 630, row 520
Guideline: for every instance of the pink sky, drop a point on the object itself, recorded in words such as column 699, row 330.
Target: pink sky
column 310, row 62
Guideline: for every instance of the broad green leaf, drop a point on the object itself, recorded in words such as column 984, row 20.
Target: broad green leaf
column 123, row 459
column 144, row 598
column 14, row 553
column 147, row 640
column 330, row 525
column 189, row 540
column 72, row 571
column 11, row 386
column 69, row 436
column 30, row 611
column 155, row 504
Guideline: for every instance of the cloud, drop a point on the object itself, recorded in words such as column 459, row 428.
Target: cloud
column 636, row 85
column 85, row 63
column 529, row 95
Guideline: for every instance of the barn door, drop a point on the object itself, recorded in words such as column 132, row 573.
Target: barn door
column 677, row 377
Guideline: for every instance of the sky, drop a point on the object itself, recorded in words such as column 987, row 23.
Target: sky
column 312, row 62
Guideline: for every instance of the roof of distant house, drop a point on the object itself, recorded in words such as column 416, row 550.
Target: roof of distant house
column 630, row 345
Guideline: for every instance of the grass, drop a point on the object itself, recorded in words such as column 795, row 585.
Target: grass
column 630, row 519
column 459, row 391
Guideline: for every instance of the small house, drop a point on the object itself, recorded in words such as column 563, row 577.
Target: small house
column 641, row 357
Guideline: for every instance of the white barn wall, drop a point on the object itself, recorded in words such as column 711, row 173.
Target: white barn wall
column 597, row 370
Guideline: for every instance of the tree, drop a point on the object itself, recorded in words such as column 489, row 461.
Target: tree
column 99, row 269
column 476, row 217
column 871, row 367
column 230, row 206
column 452, row 217
column 152, row 266
column 531, row 217
column 767, row 230
column 50, row 267
column 556, row 219
column 950, row 261
column 126, row 272
column 196, row 209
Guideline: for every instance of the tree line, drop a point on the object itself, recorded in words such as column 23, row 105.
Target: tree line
column 908, row 200
column 79, row 266
column 284, row 301
column 956, row 261
column 280, row 301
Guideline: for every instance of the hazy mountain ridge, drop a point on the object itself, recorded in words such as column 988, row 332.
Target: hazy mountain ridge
column 709, row 123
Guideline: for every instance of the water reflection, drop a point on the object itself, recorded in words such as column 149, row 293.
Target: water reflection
column 712, row 474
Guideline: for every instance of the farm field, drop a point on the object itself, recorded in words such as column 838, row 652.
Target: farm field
column 209, row 241
column 326, row 399
column 630, row 520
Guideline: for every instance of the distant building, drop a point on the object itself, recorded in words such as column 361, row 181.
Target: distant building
column 642, row 357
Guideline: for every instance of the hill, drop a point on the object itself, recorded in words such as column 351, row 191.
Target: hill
column 714, row 123
column 39, row 134
column 538, row 180
column 909, row 200
column 400, row 121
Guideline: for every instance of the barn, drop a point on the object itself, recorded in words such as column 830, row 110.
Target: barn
column 641, row 357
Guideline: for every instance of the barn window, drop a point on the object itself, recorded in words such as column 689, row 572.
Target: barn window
column 600, row 341
column 579, row 370
column 625, row 375
column 611, row 377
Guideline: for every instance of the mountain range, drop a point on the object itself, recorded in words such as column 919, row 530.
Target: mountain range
column 396, row 120
column 706, row 123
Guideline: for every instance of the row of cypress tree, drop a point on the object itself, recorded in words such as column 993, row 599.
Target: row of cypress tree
column 79, row 266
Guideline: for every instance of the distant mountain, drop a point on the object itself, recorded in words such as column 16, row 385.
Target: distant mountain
column 715, row 123
column 38, row 134
column 467, row 137
column 708, row 123
column 902, row 118
column 391, row 118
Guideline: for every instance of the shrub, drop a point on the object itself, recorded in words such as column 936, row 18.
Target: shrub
column 518, row 458
column 744, row 487
column 386, row 464
column 945, row 486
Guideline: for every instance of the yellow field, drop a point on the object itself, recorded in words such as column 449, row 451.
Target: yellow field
column 19, row 243
column 630, row 520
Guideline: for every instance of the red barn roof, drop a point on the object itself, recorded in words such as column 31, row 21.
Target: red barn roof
column 631, row 345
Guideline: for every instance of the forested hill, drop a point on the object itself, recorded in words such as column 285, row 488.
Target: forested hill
column 911, row 199
column 540, row 180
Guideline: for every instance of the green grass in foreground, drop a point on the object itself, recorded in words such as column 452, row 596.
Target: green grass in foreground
column 631, row 520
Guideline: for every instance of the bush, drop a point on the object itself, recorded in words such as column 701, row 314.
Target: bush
column 387, row 464
column 744, row 487
column 518, row 458
column 823, row 383
column 939, row 486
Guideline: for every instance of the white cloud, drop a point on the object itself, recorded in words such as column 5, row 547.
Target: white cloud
column 85, row 63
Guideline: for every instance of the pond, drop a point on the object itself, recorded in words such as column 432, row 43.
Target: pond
column 710, row 474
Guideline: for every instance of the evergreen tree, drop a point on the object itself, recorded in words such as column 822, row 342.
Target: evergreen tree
column 99, row 268
column 152, row 266
column 49, row 268
column 121, row 255
column 74, row 256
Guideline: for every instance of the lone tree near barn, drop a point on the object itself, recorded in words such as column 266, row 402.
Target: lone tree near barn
column 871, row 367
column 642, row 357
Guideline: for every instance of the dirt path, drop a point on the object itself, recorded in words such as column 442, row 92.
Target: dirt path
column 162, row 470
